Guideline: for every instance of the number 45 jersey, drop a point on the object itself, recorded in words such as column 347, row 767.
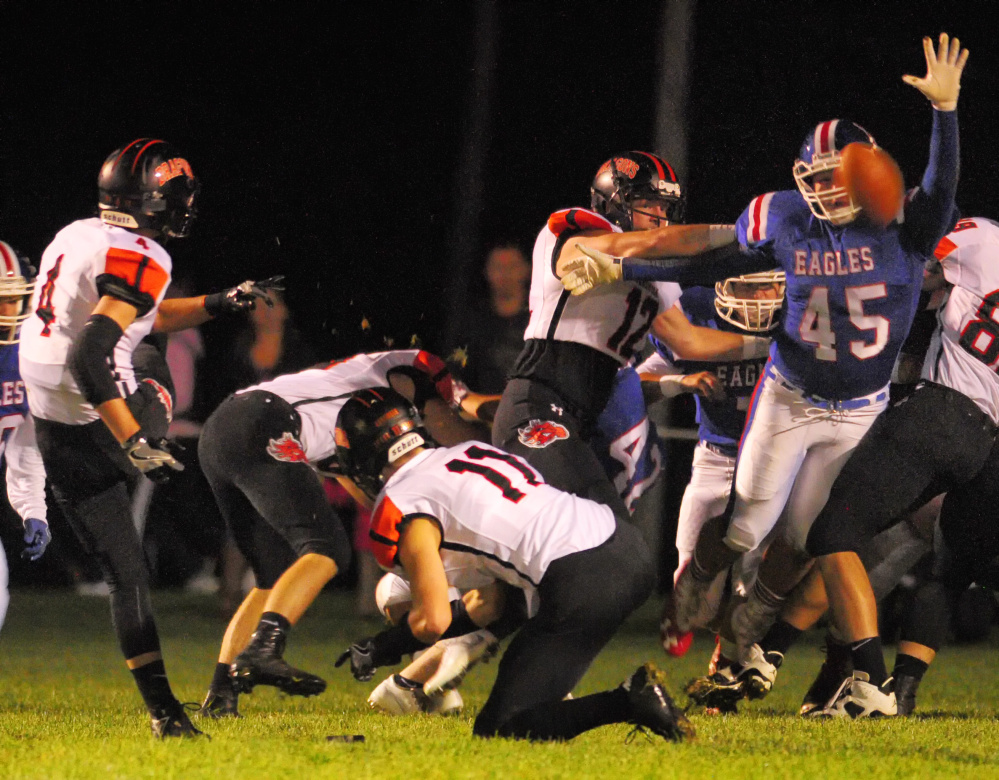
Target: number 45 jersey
column 964, row 351
column 498, row 518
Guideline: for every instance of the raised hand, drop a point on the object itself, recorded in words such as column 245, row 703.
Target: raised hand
column 942, row 81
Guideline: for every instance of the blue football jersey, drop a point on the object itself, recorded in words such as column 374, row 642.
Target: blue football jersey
column 13, row 399
column 719, row 422
column 851, row 294
column 625, row 442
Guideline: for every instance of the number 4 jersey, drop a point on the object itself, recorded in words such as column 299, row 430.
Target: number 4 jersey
column 85, row 261
column 964, row 352
column 498, row 518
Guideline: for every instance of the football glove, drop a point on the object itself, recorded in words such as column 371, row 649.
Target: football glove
column 243, row 297
column 383, row 649
column 361, row 655
column 36, row 538
column 153, row 457
column 942, row 81
column 594, row 268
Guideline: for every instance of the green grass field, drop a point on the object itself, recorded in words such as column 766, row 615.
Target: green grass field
column 68, row 709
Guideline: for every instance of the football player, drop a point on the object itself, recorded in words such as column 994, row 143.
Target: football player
column 25, row 473
column 261, row 450
column 580, row 569
column 747, row 305
column 852, row 289
column 574, row 346
column 100, row 292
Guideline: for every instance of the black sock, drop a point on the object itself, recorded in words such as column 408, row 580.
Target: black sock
column 780, row 637
column 910, row 666
column 221, row 681
column 152, row 682
column 406, row 684
column 869, row 658
column 274, row 620
column 838, row 653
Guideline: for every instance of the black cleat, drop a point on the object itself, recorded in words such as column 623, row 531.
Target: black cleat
column 172, row 721
column 220, row 704
column 836, row 668
column 261, row 664
column 651, row 707
column 905, row 693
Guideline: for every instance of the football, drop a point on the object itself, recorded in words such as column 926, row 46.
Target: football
column 873, row 179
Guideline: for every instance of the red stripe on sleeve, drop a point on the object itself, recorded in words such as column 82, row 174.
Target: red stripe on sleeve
column 757, row 232
column 385, row 532
column 944, row 248
column 139, row 270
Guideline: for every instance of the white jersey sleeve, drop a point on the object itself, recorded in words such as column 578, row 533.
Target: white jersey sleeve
column 964, row 351
column 498, row 518
column 612, row 318
column 318, row 394
column 83, row 258
column 25, row 473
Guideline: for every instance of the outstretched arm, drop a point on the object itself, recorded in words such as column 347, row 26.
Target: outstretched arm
column 693, row 342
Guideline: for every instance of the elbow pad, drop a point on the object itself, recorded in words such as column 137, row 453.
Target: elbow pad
column 88, row 359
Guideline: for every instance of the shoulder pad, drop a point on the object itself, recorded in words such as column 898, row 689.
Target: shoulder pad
column 577, row 219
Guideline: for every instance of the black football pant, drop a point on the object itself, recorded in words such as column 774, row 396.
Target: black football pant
column 934, row 441
column 270, row 497
column 569, row 463
column 584, row 598
column 89, row 474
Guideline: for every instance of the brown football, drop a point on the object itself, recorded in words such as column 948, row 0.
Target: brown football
column 873, row 179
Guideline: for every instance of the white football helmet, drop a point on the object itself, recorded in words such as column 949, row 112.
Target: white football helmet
column 17, row 281
column 751, row 302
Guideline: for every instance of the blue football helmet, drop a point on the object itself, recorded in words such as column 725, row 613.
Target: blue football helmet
column 820, row 153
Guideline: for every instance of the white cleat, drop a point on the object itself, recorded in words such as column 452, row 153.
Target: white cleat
column 447, row 702
column 857, row 697
column 460, row 654
column 393, row 699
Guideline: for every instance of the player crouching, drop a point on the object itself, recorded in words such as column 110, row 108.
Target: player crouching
column 582, row 573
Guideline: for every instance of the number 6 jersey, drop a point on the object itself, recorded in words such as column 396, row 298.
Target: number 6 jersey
column 498, row 518
column 964, row 352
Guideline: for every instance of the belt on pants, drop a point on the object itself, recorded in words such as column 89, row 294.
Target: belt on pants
column 718, row 449
column 827, row 403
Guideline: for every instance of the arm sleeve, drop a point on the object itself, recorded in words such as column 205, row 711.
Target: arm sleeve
column 25, row 473
column 931, row 212
column 703, row 269
column 88, row 359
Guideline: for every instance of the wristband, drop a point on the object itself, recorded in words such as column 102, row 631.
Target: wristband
column 754, row 347
column 669, row 385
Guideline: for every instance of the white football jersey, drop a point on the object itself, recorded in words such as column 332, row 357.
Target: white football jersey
column 498, row 518
column 612, row 318
column 65, row 295
column 318, row 394
column 964, row 352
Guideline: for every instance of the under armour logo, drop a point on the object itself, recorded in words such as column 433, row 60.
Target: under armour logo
column 557, row 409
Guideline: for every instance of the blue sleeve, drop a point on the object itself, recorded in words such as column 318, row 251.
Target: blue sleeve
column 702, row 269
column 931, row 212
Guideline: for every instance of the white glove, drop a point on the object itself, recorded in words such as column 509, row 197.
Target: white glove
column 942, row 81
column 594, row 268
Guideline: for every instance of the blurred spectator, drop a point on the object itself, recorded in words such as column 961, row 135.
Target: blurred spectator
column 493, row 334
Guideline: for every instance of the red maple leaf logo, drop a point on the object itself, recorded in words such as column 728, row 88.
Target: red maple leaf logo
column 287, row 449
column 541, row 433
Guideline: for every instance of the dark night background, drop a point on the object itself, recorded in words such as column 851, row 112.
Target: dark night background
column 327, row 136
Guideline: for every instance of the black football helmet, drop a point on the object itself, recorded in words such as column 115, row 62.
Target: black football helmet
column 627, row 177
column 148, row 184
column 374, row 428
column 17, row 281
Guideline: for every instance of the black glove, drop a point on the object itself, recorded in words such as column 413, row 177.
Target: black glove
column 153, row 457
column 361, row 655
column 243, row 297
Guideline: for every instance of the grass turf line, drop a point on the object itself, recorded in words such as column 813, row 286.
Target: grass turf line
column 68, row 709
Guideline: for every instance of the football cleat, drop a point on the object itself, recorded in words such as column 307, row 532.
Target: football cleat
column 752, row 678
column 696, row 601
column 393, row 697
column 447, row 702
column 172, row 721
column 837, row 667
column 651, row 707
column 261, row 664
column 905, row 693
column 220, row 704
column 460, row 654
column 857, row 697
